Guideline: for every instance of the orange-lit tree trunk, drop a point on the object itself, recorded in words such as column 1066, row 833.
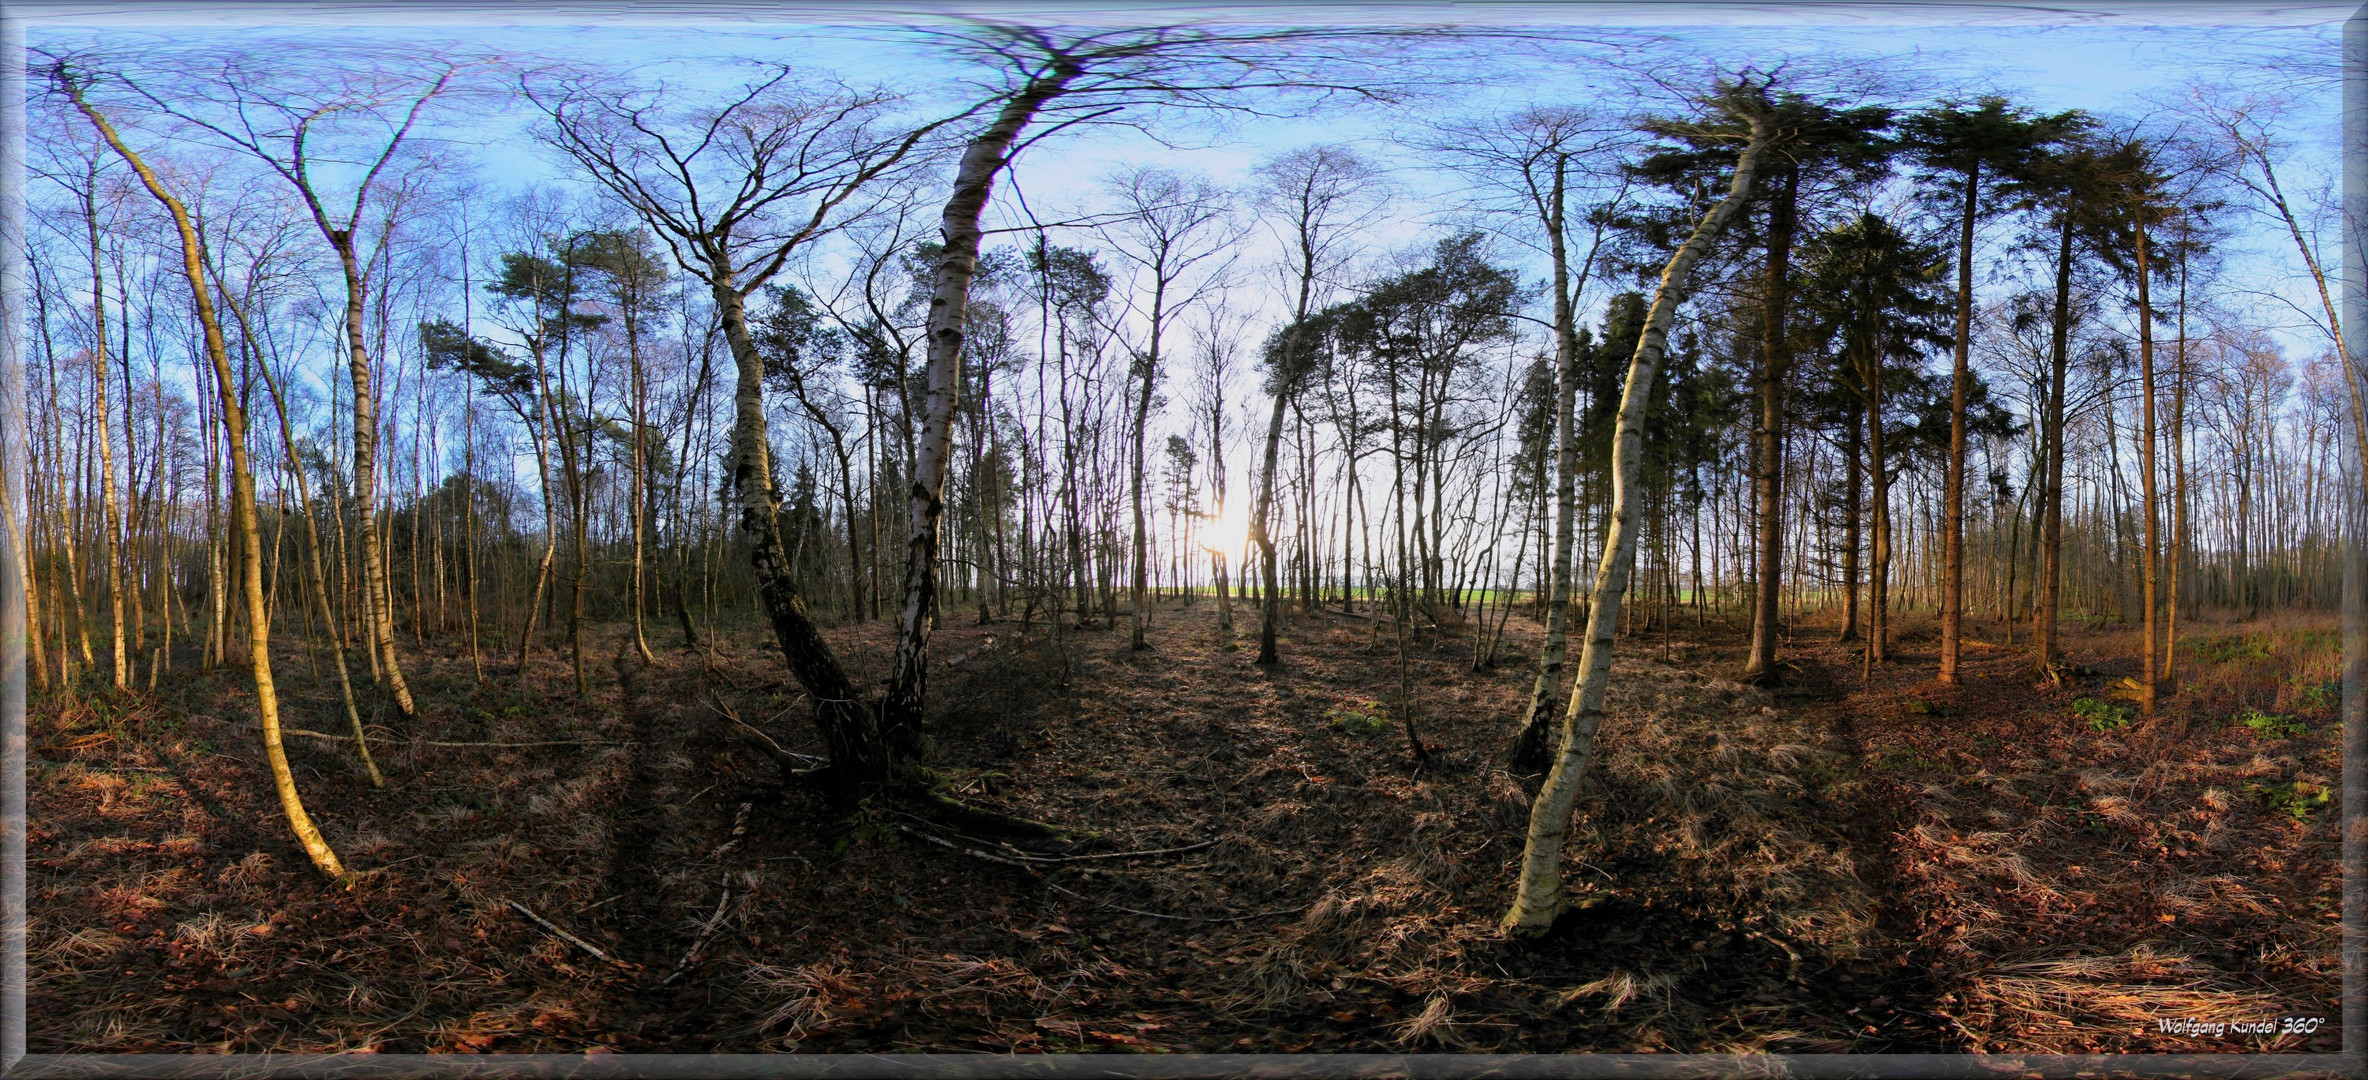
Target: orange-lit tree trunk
column 242, row 493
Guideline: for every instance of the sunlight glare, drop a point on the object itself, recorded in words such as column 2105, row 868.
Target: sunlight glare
column 1229, row 534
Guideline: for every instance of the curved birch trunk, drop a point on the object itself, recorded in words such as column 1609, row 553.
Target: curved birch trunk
column 320, row 578
column 974, row 181
column 1538, row 896
column 242, row 502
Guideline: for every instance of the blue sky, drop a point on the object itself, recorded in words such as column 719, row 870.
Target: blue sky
column 2102, row 57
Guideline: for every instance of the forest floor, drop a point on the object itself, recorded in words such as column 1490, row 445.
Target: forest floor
column 1836, row 865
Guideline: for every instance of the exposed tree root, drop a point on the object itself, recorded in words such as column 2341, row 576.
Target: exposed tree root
column 932, row 802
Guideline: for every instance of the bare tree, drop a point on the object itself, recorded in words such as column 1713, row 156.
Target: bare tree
column 734, row 191
column 1168, row 222
column 2244, row 122
column 306, row 117
column 1062, row 77
column 1536, row 158
column 1215, row 348
column 242, row 478
column 1314, row 199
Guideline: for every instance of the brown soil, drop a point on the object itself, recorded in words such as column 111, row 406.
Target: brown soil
column 1816, row 869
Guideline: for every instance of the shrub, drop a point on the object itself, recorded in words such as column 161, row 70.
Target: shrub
column 2321, row 697
column 2102, row 716
column 2271, row 725
column 2230, row 650
column 1356, row 721
column 2295, row 800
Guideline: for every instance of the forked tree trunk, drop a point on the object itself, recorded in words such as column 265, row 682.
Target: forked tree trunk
column 1538, row 896
column 1270, row 597
column 242, row 502
column 858, row 759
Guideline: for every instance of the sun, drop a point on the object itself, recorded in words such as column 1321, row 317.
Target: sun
column 1229, row 533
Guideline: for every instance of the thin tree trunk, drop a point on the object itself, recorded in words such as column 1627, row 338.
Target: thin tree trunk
column 111, row 523
column 1141, row 601
column 2178, row 544
column 1852, row 509
column 1952, row 601
column 1529, row 747
column 320, row 579
column 1878, row 632
column 2051, row 537
column 2152, row 568
column 1775, row 365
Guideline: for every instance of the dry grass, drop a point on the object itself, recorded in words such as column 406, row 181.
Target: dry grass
column 2075, row 886
column 1749, row 867
column 2037, row 998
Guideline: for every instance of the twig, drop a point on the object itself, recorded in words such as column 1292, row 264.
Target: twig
column 739, row 829
column 1121, row 854
column 778, row 752
column 705, row 932
column 1032, row 871
column 972, row 852
column 431, row 742
column 571, row 938
column 1057, row 859
column 1177, row 918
